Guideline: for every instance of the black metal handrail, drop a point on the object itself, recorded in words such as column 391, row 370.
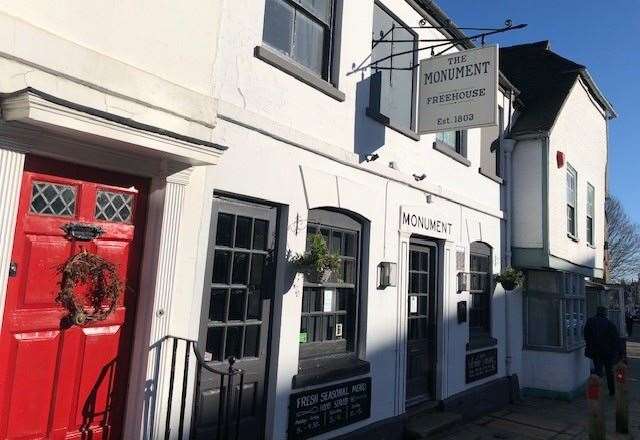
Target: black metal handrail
column 226, row 392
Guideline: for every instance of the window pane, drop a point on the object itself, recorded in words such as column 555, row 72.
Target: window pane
column 278, row 25
column 417, row 328
column 448, row 138
column 252, row 341
column 257, row 269
column 234, row 342
column 218, row 305
column 254, row 304
column 243, row 232
column 320, row 8
column 224, row 229
column 260, row 231
column 240, row 268
column 214, row 342
column 543, row 326
column 349, row 245
column 236, row 305
column 221, row 265
column 308, row 46
column 571, row 227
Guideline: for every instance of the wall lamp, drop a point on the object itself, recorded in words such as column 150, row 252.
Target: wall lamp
column 419, row 177
column 387, row 274
column 371, row 157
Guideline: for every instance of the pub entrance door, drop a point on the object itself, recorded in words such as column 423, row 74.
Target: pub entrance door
column 421, row 322
column 236, row 310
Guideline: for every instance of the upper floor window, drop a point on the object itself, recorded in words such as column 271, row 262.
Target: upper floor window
column 572, row 183
column 455, row 140
column 590, row 213
column 394, row 77
column 302, row 30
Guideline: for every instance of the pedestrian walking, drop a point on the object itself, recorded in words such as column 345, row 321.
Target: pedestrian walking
column 602, row 345
column 628, row 320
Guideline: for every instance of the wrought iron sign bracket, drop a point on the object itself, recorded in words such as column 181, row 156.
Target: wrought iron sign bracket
column 443, row 44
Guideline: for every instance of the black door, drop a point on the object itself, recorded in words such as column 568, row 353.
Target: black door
column 237, row 307
column 421, row 323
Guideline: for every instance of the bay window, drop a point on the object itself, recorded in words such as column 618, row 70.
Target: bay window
column 555, row 310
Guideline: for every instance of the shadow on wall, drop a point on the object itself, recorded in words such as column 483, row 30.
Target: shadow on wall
column 369, row 134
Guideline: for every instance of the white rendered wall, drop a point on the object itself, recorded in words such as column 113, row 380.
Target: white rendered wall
column 580, row 133
column 527, row 199
column 134, row 59
column 554, row 371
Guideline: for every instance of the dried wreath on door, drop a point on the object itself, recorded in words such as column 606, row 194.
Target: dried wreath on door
column 104, row 285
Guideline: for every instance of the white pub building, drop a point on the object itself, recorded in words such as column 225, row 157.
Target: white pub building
column 194, row 159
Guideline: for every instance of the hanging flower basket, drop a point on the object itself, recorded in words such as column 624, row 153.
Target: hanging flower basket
column 317, row 264
column 510, row 279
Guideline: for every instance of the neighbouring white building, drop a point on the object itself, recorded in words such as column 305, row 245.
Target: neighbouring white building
column 558, row 227
column 107, row 125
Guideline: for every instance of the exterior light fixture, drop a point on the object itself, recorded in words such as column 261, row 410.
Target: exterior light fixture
column 371, row 157
column 387, row 274
column 419, row 177
column 429, row 198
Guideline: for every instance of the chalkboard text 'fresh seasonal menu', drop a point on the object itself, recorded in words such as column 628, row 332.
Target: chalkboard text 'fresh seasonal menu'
column 324, row 409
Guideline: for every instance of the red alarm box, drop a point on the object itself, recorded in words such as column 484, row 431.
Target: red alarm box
column 560, row 159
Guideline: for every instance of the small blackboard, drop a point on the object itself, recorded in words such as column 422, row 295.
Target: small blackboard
column 324, row 409
column 481, row 364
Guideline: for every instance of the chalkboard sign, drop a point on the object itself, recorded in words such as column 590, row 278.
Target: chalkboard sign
column 481, row 364
column 324, row 409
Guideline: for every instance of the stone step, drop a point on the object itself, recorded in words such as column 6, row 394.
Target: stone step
column 427, row 424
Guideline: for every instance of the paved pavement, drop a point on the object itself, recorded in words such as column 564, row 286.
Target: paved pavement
column 551, row 419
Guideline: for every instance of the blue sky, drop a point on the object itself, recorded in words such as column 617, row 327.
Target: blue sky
column 604, row 36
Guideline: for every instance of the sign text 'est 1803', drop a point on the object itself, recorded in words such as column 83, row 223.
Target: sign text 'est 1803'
column 458, row 91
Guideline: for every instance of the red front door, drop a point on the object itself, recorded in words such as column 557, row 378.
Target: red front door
column 58, row 380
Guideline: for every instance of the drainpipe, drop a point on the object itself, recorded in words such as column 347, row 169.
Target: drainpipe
column 508, row 146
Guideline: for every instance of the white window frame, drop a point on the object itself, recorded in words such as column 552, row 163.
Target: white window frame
column 591, row 200
column 572, row 201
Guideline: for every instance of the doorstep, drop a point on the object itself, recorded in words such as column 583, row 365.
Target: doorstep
column 425, row 425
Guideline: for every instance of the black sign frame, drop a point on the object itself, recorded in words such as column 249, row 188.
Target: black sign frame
column 340, row 408
column 481, row 364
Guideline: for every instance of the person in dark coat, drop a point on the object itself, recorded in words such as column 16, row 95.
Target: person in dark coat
column 603, row 345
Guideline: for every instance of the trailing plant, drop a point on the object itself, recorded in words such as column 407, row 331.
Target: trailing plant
column 510, row 278
column 317, row 261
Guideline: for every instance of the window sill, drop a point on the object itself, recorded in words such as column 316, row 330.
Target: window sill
column 447, row 151
column 328, row 369
column 496, row 179
column 573, row 237
column 289, row 67
column 384, row 120
column 476, row 343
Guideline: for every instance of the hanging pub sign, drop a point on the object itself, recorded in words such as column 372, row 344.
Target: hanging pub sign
column 458, row 91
